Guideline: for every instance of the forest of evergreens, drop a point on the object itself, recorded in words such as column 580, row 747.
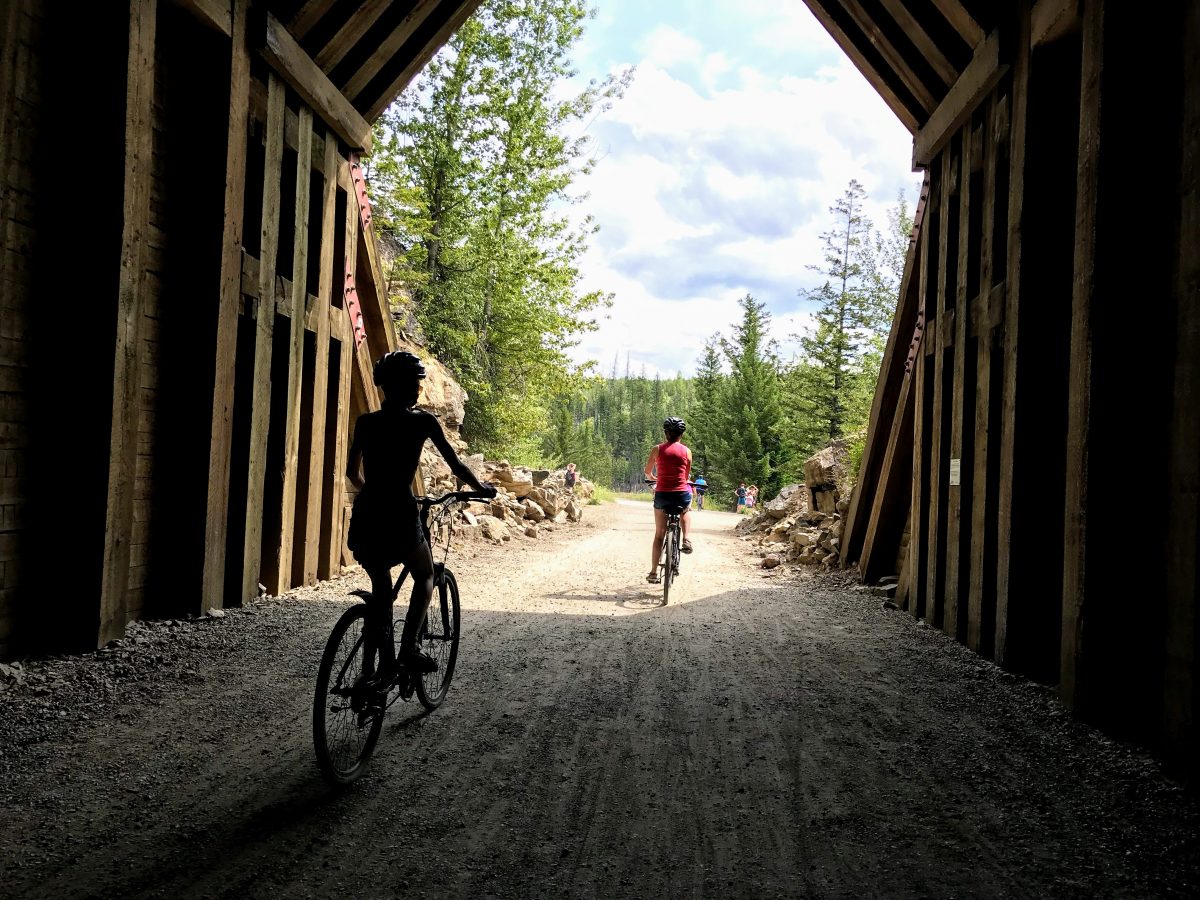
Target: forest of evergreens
column 473, row 181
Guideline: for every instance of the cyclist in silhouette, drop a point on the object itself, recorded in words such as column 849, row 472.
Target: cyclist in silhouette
column 385, row 528
column 669, row 463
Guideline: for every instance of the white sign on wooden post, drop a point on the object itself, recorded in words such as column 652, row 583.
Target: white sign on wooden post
column 955, row 472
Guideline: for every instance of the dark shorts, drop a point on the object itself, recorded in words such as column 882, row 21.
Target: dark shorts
column 672, row 501
column 383, row 534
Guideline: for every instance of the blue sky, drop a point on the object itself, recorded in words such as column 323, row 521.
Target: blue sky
column 717, row 168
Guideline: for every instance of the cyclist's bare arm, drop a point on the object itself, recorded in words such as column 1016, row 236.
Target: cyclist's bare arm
column 651, row 463
column 457, row 466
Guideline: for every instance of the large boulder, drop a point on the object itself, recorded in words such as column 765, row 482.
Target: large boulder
column 792, row 501
column 573, row 510
column 494, row 529
column 517, row 482
column 826, row 470
column 533, row 511
column 547, row 498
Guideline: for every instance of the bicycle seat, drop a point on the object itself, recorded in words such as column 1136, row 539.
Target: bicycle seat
column 675, row 510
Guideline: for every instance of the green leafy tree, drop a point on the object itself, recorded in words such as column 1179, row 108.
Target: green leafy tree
column 472, row 184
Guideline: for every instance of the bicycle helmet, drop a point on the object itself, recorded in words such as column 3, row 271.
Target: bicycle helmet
column 674, row 425
column 397, row 367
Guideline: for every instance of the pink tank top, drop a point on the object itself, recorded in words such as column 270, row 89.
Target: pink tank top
column 672, row 467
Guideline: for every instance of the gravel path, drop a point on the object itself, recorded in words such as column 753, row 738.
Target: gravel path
column 765, row 735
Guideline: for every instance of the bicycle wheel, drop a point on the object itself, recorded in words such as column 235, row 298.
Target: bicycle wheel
column 346, row 720
column 439, row 638
column 667, row 568
column 676, row 547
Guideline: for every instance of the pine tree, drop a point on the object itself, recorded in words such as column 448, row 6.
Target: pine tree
column 746, row 444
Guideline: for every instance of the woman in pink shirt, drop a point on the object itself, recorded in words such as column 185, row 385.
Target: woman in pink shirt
column 670, row 464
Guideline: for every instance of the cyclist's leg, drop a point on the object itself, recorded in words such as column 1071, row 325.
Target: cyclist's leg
column 660, row 531
column 379, row 618
column 420, row 567
column 685, row 520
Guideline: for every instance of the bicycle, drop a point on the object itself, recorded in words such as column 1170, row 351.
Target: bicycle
column 348, row 707
column 672, row 542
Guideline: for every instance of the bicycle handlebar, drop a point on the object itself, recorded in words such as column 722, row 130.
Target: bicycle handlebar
column 459, row 496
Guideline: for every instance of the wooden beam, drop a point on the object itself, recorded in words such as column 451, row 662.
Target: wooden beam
column 1181, row 725
column 214, row 14
column 308, row 16
column 910, row 118
column 388, row 48
column 925, row 45
column 316, row 462
column 935, row 535
column 918, row 549
column 1052, row 19
column 332, row 564
column 978, row 78
column 217, row 514
column 961, row 21
column 351, row 32
column 1009, row 483
column 279, row 575
column 131, row 293
column 981, row 603
column 295, row 66
column 887, row 388
column 891, row 54
column 890, row 507
column 958, row 536
column 400, row 82
column 259, row 389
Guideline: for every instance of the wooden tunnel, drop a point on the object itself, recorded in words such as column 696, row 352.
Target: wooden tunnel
column 191, row 298
column 1033, row 459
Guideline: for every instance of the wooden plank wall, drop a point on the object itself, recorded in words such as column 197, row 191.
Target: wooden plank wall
column 23, row 25
column 1029, row 306
column 230, row 301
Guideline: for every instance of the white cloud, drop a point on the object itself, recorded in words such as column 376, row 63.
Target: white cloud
column 715, row 180
column 667, row 47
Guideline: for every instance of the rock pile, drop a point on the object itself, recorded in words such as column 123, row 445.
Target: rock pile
column 804, row 522
column 527, row 502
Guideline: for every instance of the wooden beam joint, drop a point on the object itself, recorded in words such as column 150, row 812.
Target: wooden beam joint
column 304, row 76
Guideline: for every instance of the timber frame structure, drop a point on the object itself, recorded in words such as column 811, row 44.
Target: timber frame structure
column 181, row 355
column 1032, row 469
column 191, row 298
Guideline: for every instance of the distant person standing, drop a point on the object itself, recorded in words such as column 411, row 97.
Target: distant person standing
column 570, row 477
column 752, row 496
column 741, row 497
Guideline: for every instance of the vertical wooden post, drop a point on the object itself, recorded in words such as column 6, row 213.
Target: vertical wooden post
column 981, row 600
column 1019, row 105
column 279, row 574
column 216, row 521
column 122, row 461
column 939, row 460
column 917, row 547
column 337, row 525
column 954, row 615
column 1183, row 584
column 264, row 336
column 316, row 462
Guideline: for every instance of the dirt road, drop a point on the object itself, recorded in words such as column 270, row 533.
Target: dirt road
column 759, row 737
